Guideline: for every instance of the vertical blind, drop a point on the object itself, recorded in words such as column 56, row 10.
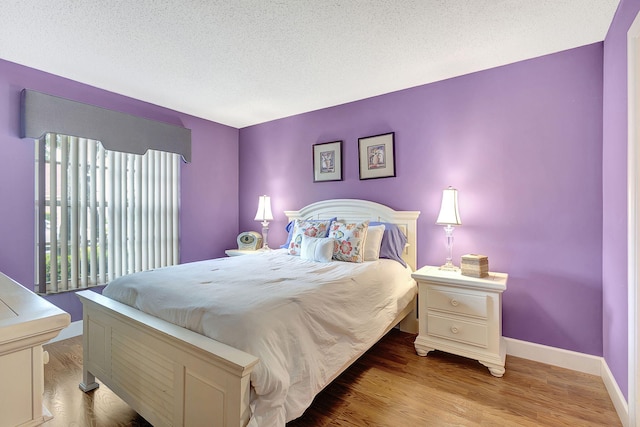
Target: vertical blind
column 102, row 214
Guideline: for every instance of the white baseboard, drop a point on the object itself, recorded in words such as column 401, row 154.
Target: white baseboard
column 617, row 398
column 575, row 361
column 73, row 330
column 555, row 356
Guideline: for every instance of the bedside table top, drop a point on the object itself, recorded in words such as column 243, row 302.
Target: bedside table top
column 238, row 252
column 494, row 281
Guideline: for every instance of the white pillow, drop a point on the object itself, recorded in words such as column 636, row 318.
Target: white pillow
column 316, row 249
column 373, row 242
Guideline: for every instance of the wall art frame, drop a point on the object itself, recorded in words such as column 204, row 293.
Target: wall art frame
column 327, row 161
column 377, row 156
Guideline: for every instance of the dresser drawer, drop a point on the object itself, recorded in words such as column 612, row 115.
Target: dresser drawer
column 476, row 334
column 457, row 303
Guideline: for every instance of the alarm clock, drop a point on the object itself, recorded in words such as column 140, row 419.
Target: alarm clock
column 249, row 240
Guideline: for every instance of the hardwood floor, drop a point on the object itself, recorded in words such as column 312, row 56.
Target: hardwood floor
column 389, row 386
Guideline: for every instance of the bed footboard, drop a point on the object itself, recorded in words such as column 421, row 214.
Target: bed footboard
column 169, row 375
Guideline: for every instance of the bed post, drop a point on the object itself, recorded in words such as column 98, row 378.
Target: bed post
column 88, row 379
column 410, row 322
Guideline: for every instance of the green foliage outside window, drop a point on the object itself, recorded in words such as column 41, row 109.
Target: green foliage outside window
column 47, row 261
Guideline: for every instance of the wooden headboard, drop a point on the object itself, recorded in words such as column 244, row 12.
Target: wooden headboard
column 361, row 210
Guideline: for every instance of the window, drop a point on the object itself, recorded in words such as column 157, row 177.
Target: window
column 102, row 214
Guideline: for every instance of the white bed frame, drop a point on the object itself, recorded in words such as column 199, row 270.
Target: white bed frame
column 175, row 377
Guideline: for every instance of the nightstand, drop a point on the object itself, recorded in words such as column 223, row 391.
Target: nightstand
column 461, row 315
column 238, row 252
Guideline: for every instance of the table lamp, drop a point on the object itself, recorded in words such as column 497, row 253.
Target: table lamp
column 264, row 214
column 449, row 217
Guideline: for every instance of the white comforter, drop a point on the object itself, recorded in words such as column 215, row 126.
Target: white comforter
column 303, row 320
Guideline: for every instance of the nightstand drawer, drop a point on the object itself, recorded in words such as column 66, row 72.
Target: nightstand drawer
column 458, row 330
column 458, row 303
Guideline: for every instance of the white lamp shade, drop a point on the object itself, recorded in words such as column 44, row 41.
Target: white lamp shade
column 264, row 209
column 449, row 214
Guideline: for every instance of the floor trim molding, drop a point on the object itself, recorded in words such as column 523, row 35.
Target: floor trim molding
column 585, row 363
column 555, row 356
column 618, row 399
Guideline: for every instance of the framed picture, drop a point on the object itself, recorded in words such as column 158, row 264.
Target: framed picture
column 377, row 156
column 327, row 161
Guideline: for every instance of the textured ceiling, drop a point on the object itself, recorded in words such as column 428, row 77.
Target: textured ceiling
column 242, row 62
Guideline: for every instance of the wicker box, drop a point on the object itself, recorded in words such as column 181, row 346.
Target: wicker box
column 474, row 265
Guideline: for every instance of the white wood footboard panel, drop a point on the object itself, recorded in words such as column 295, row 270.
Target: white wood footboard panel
column 169, row 375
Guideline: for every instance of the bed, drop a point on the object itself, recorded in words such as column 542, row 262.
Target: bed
column 172, row 375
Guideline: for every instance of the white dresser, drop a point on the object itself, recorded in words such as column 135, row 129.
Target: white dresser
column 27, row 321
column 462, row 315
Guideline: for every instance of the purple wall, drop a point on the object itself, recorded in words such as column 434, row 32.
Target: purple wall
column 614, row 169
column 522, row 143
column 209, row 184
column 539, row 191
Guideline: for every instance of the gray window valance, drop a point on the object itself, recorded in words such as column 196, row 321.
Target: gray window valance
column 42, row 113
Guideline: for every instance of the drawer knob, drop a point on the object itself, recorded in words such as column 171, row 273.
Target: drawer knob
column 454, row 302
column 454, row 329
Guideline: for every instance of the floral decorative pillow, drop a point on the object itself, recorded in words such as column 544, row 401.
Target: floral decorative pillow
column 291, row 225
column 308, row 228
column 349, row 241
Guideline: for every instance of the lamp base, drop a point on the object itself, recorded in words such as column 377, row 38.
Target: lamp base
column 265, row 234
column 448, row 266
